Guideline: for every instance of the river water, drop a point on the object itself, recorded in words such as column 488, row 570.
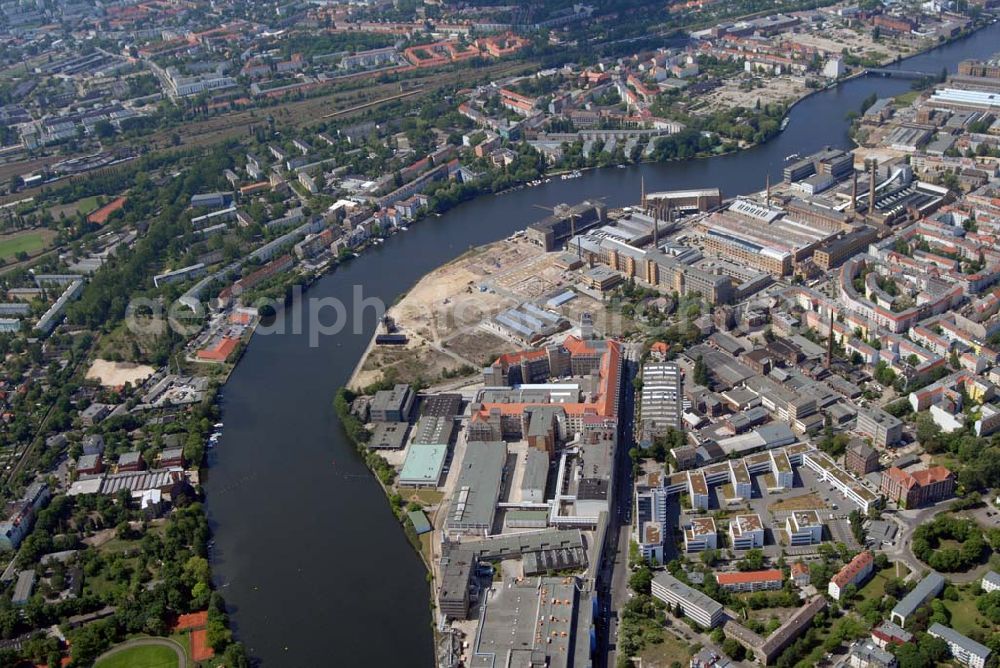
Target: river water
column 314, row 567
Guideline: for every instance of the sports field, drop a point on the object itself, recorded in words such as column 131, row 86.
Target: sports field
column 149, row 656
column 29, row 241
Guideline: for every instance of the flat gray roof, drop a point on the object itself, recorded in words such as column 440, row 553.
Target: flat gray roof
column 474, row 500
column 952, row 636
column 708, row 605
column 929, row 587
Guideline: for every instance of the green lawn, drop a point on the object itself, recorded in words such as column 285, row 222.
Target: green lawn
column 27, row 242
column 875, row 588
column 964, row 616
column 151, row 656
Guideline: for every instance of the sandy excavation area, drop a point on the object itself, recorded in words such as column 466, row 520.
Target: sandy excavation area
column 116, row 374
column 443, row 313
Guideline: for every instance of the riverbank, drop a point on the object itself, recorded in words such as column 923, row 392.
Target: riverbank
column 286, row 463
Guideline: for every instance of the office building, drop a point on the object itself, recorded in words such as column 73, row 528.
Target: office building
column 700, row 534
column 662, row 401
column 697, row 606
column 884, row 429
column 912, row 490
column 746, row 532
column 804, row 528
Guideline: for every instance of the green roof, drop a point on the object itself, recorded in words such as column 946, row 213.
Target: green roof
column 423, row 464
column 419, row 521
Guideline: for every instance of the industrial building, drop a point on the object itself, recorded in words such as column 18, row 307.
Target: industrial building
column 553, row 231
column 473, row 503
column 526, row 324
column 392, row 405
column 544, row 621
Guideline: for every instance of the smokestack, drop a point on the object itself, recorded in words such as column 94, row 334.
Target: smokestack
column 656, row 232
column 642, row 190
column 767, row 189
column 871, row 188
column 572, row 231
column 854, row 191
column 829, row 344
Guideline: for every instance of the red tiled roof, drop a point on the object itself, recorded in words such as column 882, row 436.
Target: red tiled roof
column 847, row 574
column 221, row 351
column 744, row 577
column 931, row 475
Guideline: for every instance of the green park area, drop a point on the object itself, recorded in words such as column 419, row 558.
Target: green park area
column 146, row 656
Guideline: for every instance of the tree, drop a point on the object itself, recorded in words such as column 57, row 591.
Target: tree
column 104, row 129
column 235, row 656
column 733, row 649
column 701, row 374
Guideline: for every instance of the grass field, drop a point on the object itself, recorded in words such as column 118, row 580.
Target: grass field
column 663, row 654
column 151, row 656
column 84, row 206
column 29, row 242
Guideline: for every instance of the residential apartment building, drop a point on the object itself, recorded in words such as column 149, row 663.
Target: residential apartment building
column 930, row 587
column 853, row 573
column 705, row 611
column 965, row 650
column 743, row 581
column 866, row 654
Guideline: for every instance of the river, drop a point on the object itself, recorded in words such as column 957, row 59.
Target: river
column 313, row 565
